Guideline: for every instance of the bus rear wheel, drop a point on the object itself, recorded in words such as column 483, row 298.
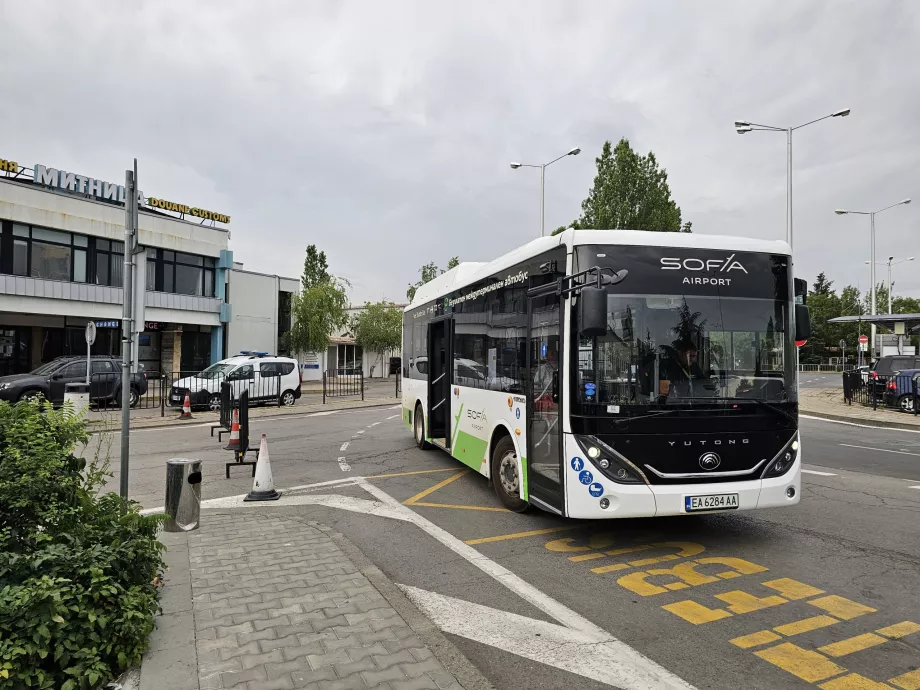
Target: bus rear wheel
column 505, row 475
column 418, row 427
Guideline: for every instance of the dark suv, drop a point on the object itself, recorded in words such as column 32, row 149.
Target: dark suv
column 49, row 380
column 885, row 367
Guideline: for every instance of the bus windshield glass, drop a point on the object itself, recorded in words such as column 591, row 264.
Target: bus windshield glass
column 721, row 338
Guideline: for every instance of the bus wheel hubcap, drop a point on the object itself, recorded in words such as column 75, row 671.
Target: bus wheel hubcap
column 418, row 427
column 507, row 473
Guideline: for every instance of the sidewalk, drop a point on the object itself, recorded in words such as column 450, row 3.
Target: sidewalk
column 828, row 403
column 264, row 599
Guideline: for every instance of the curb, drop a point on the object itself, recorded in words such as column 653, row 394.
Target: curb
column 884, row 423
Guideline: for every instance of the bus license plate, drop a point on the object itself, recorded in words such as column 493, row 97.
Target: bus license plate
column 713, row 502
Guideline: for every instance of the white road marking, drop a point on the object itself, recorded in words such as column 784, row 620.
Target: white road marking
column 861, row 426
column 344, row 466
column 599, row 657
column 392, row 417
column 358, row 433
column 881, row 450
column 820, row 474
column 370, row 426
column 271, row 418
column 344, row 445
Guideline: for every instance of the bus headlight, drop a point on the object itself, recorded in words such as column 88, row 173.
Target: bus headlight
column 784, row 460
column 609, row 462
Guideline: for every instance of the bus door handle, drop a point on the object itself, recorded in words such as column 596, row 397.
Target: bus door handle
column 555, row 386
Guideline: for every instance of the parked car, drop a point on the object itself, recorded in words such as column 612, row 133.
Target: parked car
column 899, row 389
column 49, row 380
column 882, row 369
column 266, row 378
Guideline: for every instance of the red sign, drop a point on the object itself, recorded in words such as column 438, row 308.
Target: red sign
column 863, row 339
column 800, row 343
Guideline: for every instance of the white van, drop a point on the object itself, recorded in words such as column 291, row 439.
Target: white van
column 267, row 379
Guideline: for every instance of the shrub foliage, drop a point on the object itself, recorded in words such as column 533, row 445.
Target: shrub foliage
column 77, row 567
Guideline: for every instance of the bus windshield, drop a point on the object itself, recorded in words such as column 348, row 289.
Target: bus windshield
column 686, row 349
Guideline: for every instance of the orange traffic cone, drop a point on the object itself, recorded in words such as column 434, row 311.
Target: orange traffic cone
column 186, row 408
column 234, row 442
column 263, row 486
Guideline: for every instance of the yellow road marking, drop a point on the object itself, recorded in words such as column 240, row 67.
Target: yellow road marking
column 742, row 602
column 805, row 625
column 793, row 589
column 521, row 535
column 456, row 507
column 440, row 485
column 695, row 613
column 907, row 681
column 899, row 630
column 610, row 568
column 406, row 474
column 853, row 681
column 852, row 644
column 755, row 639
column 841, row 607
column 586, row 557
column 802, row 663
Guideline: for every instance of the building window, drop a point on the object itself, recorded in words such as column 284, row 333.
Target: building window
column 110, row 262
column 186, row 274
column 349, row 359
column 43, row 253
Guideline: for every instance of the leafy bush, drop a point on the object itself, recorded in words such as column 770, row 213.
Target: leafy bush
column 77, row 568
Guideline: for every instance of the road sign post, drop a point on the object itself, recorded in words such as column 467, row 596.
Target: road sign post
column 90, row 339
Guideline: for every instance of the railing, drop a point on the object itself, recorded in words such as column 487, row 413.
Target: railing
column 900, row 392
column 826, row 368
column 205, row 392
column 337, row 385
column 146, row 394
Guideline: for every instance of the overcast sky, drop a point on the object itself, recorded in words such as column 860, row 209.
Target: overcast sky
column 382, row 131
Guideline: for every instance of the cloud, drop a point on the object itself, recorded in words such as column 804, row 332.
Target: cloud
column 382, row 132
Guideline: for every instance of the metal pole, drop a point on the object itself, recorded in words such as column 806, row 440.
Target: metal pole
column 889, row 286
column 130, row 202
column 872, row 277
column 542, row 197
column 789, row 186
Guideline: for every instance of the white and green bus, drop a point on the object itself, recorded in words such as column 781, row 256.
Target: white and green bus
column 610, row 373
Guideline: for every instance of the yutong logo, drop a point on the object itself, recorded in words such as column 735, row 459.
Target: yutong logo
column 710, row 265
column 710, row 461
column 715, row 442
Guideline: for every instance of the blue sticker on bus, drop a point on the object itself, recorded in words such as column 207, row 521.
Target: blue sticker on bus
column 517, row 413
column 543, row 349
column 596, row 490
column 578, row 464
column 585, row 477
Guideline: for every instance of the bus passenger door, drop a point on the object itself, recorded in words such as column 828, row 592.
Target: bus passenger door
column 544, row 431
column 439, row 380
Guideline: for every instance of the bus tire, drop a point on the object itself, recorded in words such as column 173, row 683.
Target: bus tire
column 506, row 478
column 418, row 428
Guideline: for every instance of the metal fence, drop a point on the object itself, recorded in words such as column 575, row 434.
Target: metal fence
column 337, row 385
column 146, row 393
column 899, row 392
column 205, row 392
column 828, row 368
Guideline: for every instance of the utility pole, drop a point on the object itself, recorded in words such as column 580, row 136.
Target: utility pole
column 127, row 334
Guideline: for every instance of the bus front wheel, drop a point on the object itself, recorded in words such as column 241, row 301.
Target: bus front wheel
column 505, row 475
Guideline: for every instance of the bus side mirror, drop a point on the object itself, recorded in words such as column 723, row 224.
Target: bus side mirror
column 592, row 312
column 802, row 322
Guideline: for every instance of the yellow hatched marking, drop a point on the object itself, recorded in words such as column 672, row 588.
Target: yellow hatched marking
column 456, row 507
column 742, row 602
column 440, row 485
column 519, row 535
column 585, row 557
column 907, row 681
column 654, row 560
column 852, row 644
column 755, row 639
column 695, row 613
column 610, row 568
column 806, row 625
column 628, row 549
column 793, row 589
column 841, row 607
column 675, row 586
column 802, row 663
column 853, row 681
column 406, row 474
column 728, row 575
column 899, row 630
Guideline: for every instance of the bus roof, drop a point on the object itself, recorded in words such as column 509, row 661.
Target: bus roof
column 470, row 272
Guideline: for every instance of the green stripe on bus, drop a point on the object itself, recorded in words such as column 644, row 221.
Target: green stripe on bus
column 525, row 495
column 453, row 439
column 469, row 450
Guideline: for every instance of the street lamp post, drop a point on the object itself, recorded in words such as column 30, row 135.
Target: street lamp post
column 572, row 152
column 871, row 214
column 891, row 262
column 743, row 127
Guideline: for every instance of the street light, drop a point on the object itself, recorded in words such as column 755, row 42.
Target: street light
column 871, row 214
column 891, row 262
column 515, row 165
column 743, row 127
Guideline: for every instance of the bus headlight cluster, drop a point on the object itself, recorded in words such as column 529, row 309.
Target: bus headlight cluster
column 784, row 460
column 610, row 463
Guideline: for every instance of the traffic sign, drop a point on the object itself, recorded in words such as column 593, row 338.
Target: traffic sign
column 863, row 339
column 842, row 344
column 90, row 333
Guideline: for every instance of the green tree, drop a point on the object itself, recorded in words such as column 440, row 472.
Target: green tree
column 429, row 272
column 320, row 310
column 378, row 328
column 822, row 285
column 630, row 192
column 881, row 300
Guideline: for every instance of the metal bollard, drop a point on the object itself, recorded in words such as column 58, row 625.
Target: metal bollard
column 183, row 494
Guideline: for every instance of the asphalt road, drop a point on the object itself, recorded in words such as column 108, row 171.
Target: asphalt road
column 824, row 594
column 814, row 380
